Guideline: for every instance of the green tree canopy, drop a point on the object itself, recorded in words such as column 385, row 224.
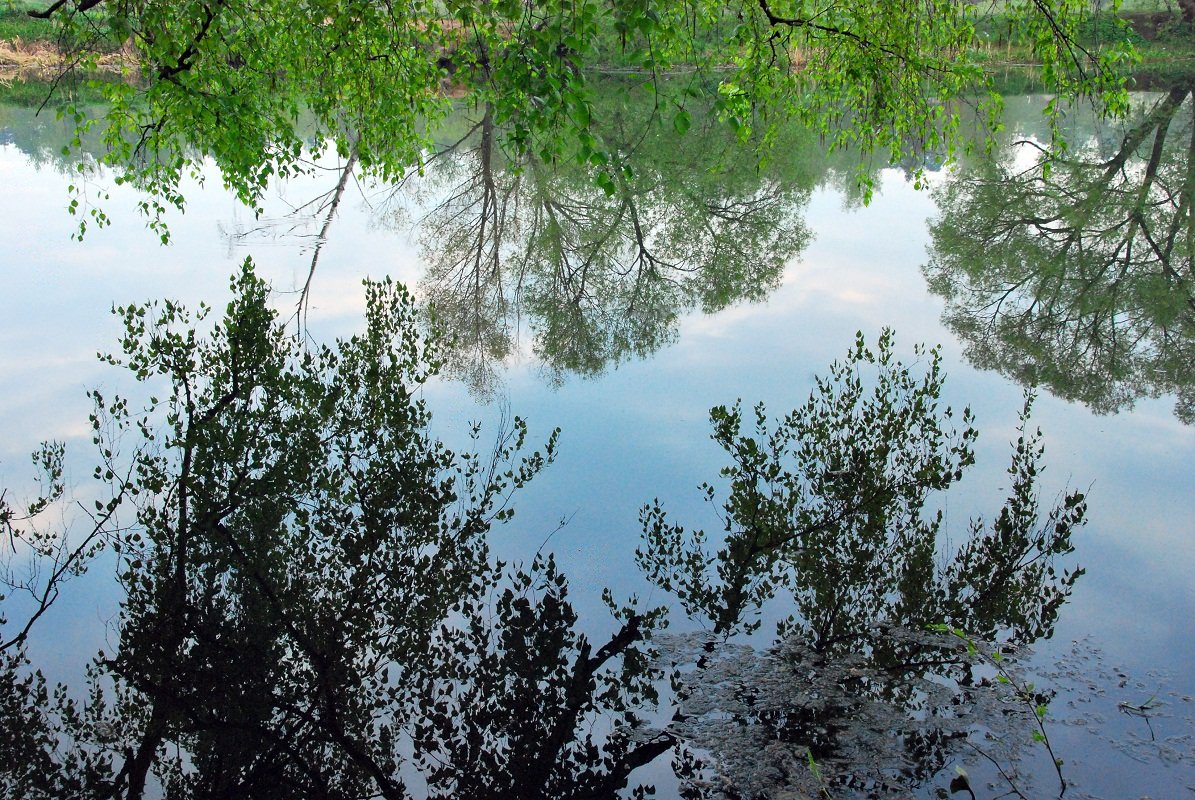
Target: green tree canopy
column 238, row 80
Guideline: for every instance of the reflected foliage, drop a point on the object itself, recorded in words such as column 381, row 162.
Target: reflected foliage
column 832, row 509
column 43, row 137
column 600, row 268
column 888, row 718
column 1074, row 271
column 309, row 600
column 833, row 504
column 310, row 608
column 511, row 711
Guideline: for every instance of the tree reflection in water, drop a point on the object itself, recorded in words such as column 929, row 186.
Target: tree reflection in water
column 1074, row 271
column 601, row 271
column 829, row 509
column 310, row 607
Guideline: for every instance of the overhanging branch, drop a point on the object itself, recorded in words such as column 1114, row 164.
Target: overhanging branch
column 85, row 5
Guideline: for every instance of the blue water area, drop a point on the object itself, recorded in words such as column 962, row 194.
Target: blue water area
column 637, row 427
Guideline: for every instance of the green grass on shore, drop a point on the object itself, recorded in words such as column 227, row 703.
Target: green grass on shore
column 15, row 23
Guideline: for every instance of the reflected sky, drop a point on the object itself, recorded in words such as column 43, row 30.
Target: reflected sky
column 636, row 432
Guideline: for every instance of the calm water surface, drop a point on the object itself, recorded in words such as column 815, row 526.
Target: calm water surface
column 639, row 429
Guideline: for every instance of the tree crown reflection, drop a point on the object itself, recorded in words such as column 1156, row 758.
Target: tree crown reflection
column 310, row 607
column 600, row 271
column 1073, row 270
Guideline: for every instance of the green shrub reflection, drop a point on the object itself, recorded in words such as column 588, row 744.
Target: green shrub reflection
column 310, row 608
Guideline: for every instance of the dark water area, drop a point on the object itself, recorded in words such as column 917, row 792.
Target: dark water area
column 623, row 314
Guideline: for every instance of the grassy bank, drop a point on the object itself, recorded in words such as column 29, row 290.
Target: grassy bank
column 17, row 25
column 1164, row 42
column 23, row 34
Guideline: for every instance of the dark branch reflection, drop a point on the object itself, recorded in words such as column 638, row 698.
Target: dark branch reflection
column 598, row 260
column 1074, row 270
column 889, row 656
column 309, row 607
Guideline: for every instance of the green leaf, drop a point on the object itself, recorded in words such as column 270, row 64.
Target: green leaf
column 681, row 121
column 606, row 183
column 581, row 114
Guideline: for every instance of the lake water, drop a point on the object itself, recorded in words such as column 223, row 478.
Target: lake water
column 635, row 424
